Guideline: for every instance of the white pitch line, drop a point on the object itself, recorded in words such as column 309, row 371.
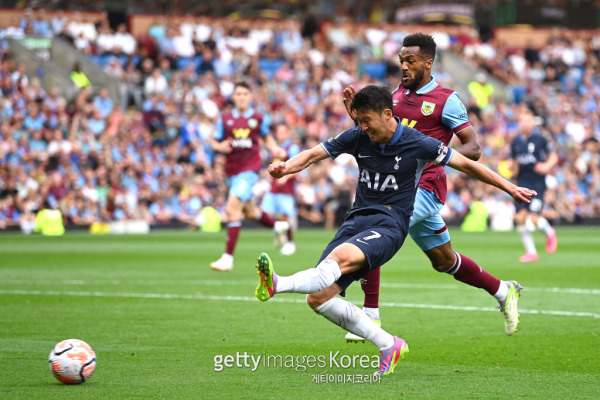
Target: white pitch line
column 277, row 300
column 241, row 282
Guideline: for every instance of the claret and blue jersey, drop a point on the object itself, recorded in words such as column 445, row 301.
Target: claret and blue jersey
column 436, row 112
column 244, row 131
column 389, row 174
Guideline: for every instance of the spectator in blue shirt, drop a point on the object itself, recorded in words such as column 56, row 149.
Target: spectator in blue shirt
column 103, row 103
column 96, row 123
column 34, row 120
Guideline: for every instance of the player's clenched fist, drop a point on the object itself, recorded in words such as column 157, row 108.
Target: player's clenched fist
column 277, row 169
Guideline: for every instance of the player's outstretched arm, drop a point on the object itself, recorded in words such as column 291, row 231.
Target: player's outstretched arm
column 298, row 162
column 486, row 175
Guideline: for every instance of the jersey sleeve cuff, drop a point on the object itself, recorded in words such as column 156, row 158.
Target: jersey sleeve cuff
column 461, row 127
column 324, row 146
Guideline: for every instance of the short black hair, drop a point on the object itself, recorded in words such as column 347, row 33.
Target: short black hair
column 243, row 84
column 426, row 43
column 372, row 97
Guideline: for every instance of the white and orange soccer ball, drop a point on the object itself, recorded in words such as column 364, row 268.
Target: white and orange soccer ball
column 72, row 361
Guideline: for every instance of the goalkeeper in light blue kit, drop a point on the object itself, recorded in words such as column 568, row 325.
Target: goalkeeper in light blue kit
column 391, row 158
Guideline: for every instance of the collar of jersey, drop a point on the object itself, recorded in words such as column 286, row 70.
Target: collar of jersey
column 427, row 88
column 396, row 137
column 236, row 113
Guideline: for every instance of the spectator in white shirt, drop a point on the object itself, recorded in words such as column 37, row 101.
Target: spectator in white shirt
column 124, row 42
column 183, row 45
column 58, row 22
column 19, row 75
column 79, row 26
column 105, row 40
column 83, row 44
column 203, row 30
column 155, row 83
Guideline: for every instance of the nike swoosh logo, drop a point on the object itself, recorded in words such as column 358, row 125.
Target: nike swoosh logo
column 362, row 241
column 363, row 156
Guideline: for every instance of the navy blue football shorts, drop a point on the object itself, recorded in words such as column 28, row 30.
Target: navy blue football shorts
column 535, row 206
column 377, row 234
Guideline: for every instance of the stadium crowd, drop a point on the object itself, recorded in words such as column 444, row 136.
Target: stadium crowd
column 149, row 158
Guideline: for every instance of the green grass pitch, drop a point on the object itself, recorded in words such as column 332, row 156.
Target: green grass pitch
column 158, row 318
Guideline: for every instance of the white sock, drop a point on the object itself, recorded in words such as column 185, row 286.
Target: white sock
column 227, row 257
column 530, row 225
column 27, row 227
column 310, row 280
column 544, row 226
column 527, row 239
column 353, row 319
column 502, row 292
column 373, row 313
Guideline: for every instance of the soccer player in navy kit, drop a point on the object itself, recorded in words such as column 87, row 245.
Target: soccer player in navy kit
column 420, row 103
column 531, row 159
column 391, row 158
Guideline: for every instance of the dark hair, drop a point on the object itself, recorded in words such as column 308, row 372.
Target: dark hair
column 376, row 98
column 425, row 43
column 242, row 84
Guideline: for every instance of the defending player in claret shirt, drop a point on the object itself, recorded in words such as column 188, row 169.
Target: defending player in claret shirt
column 420, row 103
column 390, row 158
column 239, row 135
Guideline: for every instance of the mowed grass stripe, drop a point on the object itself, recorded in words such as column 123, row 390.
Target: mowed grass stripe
column 165, row 282
column 278, row 300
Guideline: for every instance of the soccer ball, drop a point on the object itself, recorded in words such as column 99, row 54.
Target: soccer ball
column 72, row 361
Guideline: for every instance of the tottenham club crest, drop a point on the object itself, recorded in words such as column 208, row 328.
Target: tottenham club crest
column 427, row 108
column 252, row 123
column 397, row 158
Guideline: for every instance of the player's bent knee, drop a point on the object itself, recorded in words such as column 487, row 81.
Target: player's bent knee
column 442, row 257
column 314, row 300
column 441, row 268
column 443, row 264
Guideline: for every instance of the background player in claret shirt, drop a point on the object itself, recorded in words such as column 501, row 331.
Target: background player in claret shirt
column 280, row 201
column 390, row 159
column 532, row 158
column 239, row 135
column 435, row 111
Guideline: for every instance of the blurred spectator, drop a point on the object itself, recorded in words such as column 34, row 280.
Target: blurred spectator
column 103, row 103
column 123, row 41
column 79, row 78
column 481, row 90
column 155, row 83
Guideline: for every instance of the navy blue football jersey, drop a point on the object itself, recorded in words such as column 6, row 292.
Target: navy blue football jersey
column 388, row 174
column 527, row 151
